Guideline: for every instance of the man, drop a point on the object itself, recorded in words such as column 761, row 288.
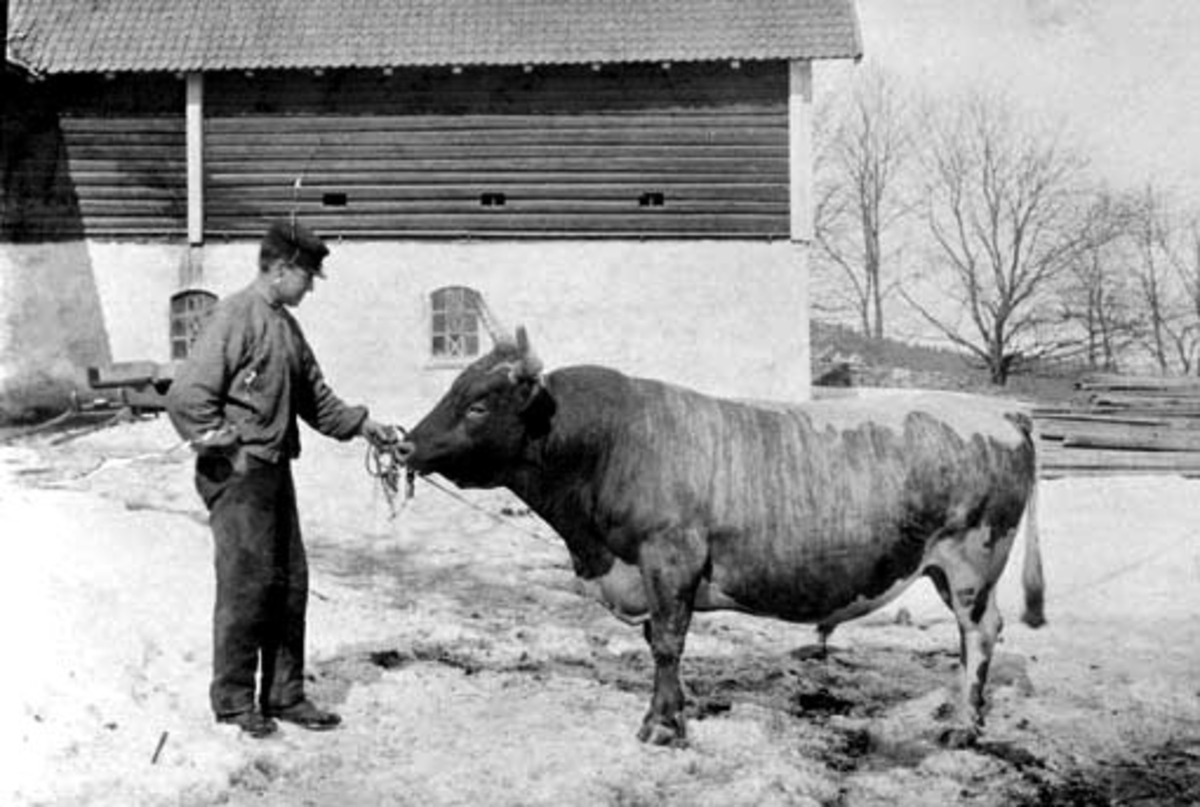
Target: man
column 236, row 399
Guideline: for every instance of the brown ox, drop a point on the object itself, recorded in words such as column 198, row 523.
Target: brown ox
column 670, row 501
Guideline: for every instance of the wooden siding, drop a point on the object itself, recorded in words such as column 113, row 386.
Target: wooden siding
column 112, row 160
column 130, row 174
column 573, row 151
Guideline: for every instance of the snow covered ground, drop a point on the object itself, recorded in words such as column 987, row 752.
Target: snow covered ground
column 470, row 670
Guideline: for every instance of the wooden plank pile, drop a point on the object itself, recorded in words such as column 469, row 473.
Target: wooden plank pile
column 1123, row 425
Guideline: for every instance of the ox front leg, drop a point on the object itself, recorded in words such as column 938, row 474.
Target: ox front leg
column 671, row 565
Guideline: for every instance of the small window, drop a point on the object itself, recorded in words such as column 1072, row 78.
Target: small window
column 190, row 309
column 651, row 199
column 493, row 199
column 457, row 323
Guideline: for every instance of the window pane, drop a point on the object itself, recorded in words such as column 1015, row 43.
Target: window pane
column 455, row 323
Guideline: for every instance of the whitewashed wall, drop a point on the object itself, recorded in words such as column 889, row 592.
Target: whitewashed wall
column 729, row 318
column 52, row 325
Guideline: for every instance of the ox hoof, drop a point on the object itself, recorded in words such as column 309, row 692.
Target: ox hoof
column 656, row 732
column 958, row 738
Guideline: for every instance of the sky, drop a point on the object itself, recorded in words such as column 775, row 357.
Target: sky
column 1124, row 74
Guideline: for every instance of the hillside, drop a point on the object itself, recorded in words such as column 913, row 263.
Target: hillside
column 839, row 351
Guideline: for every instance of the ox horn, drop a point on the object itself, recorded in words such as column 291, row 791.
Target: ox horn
column 529, row 365
column 526, row 366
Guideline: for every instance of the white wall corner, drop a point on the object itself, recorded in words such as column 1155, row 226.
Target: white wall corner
column 800, row 149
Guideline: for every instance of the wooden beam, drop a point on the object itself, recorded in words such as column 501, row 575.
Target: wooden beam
column 310, row 126
column 800, row 148
column 195, row 157
column 1103, row 381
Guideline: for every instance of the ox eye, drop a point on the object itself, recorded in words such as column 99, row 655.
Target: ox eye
column 477, row 409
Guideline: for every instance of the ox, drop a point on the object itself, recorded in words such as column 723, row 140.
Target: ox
column 672, row 502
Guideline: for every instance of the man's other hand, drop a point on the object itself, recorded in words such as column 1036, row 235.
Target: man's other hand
column 222, row 441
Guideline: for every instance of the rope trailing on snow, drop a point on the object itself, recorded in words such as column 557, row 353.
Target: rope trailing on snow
column 499, row 519
column 70, row 431
column 1125, row 569
column 36, row 428
column 107, row 463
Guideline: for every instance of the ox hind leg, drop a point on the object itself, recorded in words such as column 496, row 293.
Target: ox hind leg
column 965, row 570
column 671, row 564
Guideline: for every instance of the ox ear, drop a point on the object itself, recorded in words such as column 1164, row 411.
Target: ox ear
column 538, row 410
column 539, row 407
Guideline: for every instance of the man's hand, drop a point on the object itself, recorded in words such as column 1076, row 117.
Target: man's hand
column 221, row 442
column 379, row 435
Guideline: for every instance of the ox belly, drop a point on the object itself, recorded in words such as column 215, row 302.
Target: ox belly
column 804, row 599
column 622, row 592
column 817, row 589
column 865, row 605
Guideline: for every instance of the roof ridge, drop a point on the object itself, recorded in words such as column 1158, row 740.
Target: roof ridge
column 65, row 36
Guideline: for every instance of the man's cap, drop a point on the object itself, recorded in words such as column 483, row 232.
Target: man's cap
column 296, row 244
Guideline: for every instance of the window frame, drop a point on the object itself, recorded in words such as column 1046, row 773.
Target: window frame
column 470, row 303
column 197, row 307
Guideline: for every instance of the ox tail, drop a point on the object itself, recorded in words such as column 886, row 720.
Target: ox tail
column 1031, row 572
column 1032, row 579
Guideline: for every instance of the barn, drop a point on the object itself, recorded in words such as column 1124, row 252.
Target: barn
column 630, row 180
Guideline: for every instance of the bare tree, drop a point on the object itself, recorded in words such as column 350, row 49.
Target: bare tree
column 1166, row 279
column 861, row 161
column 1004, row 201
column 1185, row 257
column 1097, row 295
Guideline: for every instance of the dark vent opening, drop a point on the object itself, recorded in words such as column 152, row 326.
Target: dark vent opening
column 492, row 199
column 651, row 199
column 334, row 199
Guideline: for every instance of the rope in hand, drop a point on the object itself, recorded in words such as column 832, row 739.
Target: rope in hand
column 385, row 464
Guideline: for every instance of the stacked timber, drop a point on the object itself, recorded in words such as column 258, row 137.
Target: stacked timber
column 1123, row 425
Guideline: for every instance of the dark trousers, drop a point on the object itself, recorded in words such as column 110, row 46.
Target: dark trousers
column 262, row 584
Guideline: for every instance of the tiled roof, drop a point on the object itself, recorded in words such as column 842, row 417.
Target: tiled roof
column 70, row 36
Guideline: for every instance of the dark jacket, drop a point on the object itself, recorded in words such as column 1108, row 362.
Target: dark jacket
column 252, row 371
